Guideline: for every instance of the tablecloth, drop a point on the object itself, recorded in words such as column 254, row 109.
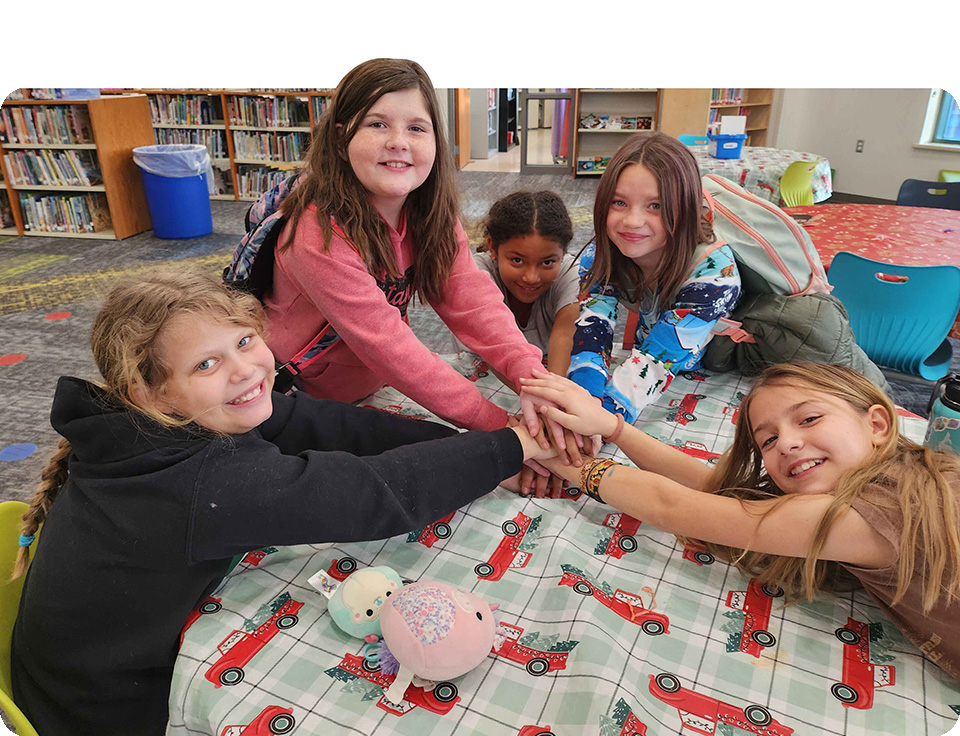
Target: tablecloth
column 759, row 170
column 613, row 626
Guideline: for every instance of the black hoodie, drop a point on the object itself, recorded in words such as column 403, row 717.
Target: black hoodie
column 149, row 519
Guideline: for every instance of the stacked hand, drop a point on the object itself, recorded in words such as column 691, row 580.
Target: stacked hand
column 568, row 405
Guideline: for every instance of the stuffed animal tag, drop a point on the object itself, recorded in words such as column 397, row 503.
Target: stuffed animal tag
column 326, row 584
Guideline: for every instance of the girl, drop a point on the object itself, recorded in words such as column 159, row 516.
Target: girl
column 818, row 471
column 182, row 459
column 526, row 239
column 650, row 250
column 373, row 220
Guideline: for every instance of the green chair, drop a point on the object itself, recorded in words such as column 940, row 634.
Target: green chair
column 11, row 514
column 948, row 175
column 796, row 184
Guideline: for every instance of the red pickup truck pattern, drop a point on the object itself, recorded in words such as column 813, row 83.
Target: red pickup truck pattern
column 751, row 618
column 628, row 606
column 860, row 676
column 622, row 721
column 621, row 540
column 537, row 661
column 509, row 553
column 440, row 529
column 274, row 720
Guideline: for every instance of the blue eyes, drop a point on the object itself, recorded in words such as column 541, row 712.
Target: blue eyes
column 244, row 341
column 205, row 365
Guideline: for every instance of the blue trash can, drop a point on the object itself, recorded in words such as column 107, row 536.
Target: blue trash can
column 176, row 180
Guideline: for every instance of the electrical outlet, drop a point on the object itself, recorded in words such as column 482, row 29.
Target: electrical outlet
column 860, row 146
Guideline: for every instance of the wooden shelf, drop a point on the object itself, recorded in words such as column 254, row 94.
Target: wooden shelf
column 56, row 188
column 620, row 91
column 196, row 126
column 225, row 197
column 738, row 104
column 107, row 234
column 273, row 164
column 612, row 103
column 609, row 130
column 691, row 111
column 9, row 231
column 59, row 146
column 278, row 129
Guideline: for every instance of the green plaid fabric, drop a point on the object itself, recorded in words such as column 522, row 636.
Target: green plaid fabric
column 591, row 602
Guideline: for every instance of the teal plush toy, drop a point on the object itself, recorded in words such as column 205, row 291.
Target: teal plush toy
column 355, row 603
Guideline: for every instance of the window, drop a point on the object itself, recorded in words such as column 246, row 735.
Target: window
column 941, row 124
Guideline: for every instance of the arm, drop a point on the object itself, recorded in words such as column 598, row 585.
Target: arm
column 337, row 283
column 787, row 529
column 248, row 494
column 593, row 338
column 680, row 335
column 561, row 339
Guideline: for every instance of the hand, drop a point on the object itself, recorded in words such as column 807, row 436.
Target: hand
column 541, row 486
column 581, row 412
column 531, row 412
column 531, row 448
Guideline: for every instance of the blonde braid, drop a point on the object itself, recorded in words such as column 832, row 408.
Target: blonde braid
column 51, row 481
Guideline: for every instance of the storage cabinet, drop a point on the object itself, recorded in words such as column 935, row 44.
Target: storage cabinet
column 604, row 117
column 507, row 130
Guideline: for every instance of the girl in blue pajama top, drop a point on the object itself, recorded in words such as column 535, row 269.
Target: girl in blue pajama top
column 654, row 250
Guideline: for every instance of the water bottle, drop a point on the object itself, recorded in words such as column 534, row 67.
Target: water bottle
column 943, row 430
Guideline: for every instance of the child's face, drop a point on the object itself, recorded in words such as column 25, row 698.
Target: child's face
column 221, row 374
column 808, row 439
column 528, row 265
column 393, row 150
column 633, row 220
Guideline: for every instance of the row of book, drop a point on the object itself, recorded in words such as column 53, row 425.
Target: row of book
column 44, row 167
column 616, row 122
column 268, row 112
column 252, row 182
column 716, row 114
column 286, row 147
column 726, row 96
column 595, row 164
column 320, row 105
column 59, row 213
column 6, row 213
column 185, row 110
column 214, row 140
column 66, row 124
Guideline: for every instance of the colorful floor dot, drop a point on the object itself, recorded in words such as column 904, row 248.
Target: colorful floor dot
column 12, row 358
column 17, row 452
column 58, row 315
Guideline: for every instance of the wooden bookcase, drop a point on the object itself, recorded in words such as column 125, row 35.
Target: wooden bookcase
column 604, row 118
column 755, row 104
column 231, row 110
column 118, row 124
column 692, row 110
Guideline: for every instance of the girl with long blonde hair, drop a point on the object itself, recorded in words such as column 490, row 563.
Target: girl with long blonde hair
column 818, row 472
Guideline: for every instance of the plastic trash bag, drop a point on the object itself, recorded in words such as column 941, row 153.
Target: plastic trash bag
column 176, row 161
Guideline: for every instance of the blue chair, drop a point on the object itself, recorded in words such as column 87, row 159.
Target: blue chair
column 942, row 194
column 11, row 512
column 900, row 315
column 693, row 140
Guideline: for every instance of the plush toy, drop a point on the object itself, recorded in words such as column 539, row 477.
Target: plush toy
column 433, row 631
column 356, row 603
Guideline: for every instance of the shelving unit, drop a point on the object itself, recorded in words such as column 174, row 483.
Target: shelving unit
column 264, row 134
column 109, row 127
column 484, row 122
column 604, row 118
column 507, row 129
column 754, row 103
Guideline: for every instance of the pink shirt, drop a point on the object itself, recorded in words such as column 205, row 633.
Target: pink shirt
column 311, row 287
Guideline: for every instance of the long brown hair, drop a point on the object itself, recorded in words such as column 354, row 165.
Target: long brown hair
column 125, row 347
column 926, row 499
column 328, row 181
column 682, row 212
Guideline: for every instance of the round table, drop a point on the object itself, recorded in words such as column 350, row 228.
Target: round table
column 759, row 168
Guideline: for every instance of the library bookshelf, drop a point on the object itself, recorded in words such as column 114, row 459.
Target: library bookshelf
column 604, row 118
column 755, row 104
column 117, row 207
column 255, row 137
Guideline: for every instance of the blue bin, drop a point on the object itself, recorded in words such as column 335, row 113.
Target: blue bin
column 726, row 146
column 176, row 183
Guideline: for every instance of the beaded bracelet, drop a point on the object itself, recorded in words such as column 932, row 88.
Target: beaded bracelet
column 591, row 474
column 616, row 433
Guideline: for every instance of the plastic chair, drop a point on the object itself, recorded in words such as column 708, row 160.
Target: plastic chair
column 796, row 184
column 11, row 513
column 900, row 315
column 692, row 140
column 917, row 193
column 948, row 175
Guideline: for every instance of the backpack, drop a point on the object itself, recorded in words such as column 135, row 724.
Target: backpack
column 251, row 270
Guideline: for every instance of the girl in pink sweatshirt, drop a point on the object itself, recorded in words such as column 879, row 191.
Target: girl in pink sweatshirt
column 372, row 221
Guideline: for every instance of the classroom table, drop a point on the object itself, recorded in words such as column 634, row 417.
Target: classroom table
column 907, row 236
column 613, row 627
column 759, row 169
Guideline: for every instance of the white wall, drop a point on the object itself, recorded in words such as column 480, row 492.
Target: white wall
column 829, row 122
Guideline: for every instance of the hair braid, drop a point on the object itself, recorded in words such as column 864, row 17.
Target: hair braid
column 51, row 481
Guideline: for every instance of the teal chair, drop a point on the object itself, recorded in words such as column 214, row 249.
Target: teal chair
column 693, row 140
column 11, row 513
column 796, row 184
column 900, row 315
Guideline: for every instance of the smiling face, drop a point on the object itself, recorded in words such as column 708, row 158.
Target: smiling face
column 808, row 439
column 634, row 223
column 528, row 265
column 394, row 149
column 221, row 374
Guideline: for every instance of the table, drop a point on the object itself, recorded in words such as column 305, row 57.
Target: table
column 907, row 236
column 759, row 169
column 606, row 615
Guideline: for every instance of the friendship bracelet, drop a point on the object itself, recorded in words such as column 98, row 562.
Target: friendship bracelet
column 591, row 474
column 616, row 433
column 26, row 541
